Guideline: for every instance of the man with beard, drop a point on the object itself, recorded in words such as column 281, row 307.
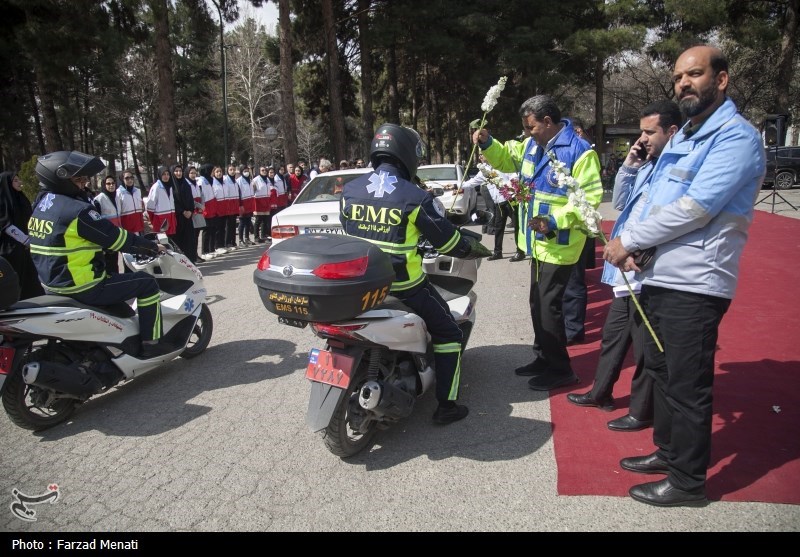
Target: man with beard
column 697, row 216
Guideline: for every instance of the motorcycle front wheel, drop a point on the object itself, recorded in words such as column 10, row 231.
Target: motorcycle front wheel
column 201, row 335
column 340, row 437
column 31, row 407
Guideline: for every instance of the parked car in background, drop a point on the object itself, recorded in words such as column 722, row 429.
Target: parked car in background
column 783, row 167
column 316, row 207
column 443, row 180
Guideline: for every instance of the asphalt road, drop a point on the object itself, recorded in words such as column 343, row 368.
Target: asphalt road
column 219, row 443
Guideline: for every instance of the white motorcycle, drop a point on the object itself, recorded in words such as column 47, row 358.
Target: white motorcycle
column 379, row 358
column 56, row 352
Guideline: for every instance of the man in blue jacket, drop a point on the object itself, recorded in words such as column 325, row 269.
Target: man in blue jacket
column 659, row 122
column 697, row 216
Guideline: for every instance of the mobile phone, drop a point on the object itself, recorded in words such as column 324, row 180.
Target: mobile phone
column 641, row 152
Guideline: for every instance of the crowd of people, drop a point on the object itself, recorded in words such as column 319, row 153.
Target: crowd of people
column 685, row 189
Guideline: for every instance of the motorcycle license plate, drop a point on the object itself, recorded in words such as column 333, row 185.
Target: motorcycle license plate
column 329, row 368
column 6, row 359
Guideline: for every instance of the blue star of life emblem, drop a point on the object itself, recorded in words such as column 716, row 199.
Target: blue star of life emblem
column 188, row 305
column 47, row 201
column 381, row 183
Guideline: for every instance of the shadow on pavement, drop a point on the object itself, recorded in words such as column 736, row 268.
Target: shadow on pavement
column 158, row 401
column 490, row 433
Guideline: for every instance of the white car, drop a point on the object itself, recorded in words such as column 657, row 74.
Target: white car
column 443, row 181
column 316, row 207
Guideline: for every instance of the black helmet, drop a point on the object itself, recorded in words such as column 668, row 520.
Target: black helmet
column 54, row 170
column 402, row 144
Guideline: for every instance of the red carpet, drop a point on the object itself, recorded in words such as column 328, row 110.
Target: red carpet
column 756, row 429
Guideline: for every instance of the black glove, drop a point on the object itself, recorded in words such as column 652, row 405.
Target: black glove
column 150, row 250
column 476, row 249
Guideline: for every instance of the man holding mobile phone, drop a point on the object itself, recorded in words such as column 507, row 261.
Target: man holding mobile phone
column 659, row 122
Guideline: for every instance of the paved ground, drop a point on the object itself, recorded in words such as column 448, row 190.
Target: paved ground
column 219, row 443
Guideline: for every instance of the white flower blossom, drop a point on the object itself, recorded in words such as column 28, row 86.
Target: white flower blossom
column 490, row 100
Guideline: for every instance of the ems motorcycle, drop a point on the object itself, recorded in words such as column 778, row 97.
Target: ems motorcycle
column 56, row 352
column 378, row 357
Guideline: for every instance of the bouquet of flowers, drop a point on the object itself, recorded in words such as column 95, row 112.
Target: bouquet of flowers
column 591, row 221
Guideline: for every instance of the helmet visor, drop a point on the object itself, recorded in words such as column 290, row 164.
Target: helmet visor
column 79, row 164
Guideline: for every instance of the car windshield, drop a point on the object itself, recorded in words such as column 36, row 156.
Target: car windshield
column 438, row 174
column 324, row 188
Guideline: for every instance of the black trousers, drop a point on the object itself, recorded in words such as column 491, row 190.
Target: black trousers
column 546, row 301
column 622, row 328
column 446, row 336
column 490, row 205
column 226, row 231
column 184, row 235
column 502, row 214
column 245, row 226
column 687, row 325
column 119, row 288
column 262, row 227
column 210, row 235
column 576, row 294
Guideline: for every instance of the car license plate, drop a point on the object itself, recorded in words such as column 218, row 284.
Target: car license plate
column 321, row 230
column 329, row 367
column 6, row 359
column 292, row 322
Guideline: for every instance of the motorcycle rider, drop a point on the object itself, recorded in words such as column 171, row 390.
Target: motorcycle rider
column 68, row 237
column 385, row 207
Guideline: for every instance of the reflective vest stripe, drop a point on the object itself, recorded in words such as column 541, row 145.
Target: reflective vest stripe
column 121, row 238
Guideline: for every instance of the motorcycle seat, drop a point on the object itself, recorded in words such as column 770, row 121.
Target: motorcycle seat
column 120, row 309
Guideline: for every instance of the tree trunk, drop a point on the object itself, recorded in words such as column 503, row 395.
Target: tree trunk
column 394, row 108
column 334, row 81
column 599, row 129
column 288, row 120
column 35, row 109
column 166, row 85
column 367, row 116
column 785, row 62
column 52, row 139
column 135, row 162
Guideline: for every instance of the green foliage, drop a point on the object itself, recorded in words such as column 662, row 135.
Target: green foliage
column 30, row 183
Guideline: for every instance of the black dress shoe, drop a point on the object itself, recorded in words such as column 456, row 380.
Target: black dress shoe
column 664, row 494
column 445, row 415
column 629, row 423
column 577, row 339
column 585, row 399
column 496, row 255
column 650, row 464
column 536, row 367
column 519, row 256
column 550, row 380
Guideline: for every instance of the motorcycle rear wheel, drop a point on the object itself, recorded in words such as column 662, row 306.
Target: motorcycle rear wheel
column 22, row 404
column 201, row 335
column 339, row 437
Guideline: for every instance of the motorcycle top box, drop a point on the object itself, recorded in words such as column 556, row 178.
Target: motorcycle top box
column 323, row 277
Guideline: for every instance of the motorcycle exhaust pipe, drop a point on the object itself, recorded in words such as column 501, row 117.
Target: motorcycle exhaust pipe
column 385, row 400
column 68, row 380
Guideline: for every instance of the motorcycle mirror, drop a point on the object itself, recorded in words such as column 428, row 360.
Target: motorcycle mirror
column 163, row 239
